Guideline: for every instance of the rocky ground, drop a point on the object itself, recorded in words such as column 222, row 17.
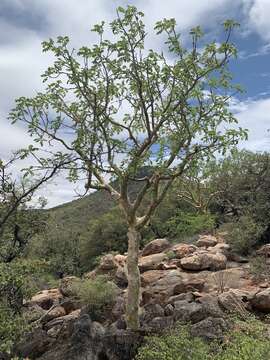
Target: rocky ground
column 199, row 284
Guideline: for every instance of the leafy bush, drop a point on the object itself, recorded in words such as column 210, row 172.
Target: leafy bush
column 12, row 327
column 246, row 342
column 243, row 234
column 177, row 344
column 190, row 223
column 260, row 268
column 98, row 295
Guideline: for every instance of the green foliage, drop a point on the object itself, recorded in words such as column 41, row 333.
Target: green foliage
column 98, row 295
column 13, row 327
column 15, row 286
column 190, row 223
column 246, row 342
column 260, row 268
column 243, row 234
column 175, row 345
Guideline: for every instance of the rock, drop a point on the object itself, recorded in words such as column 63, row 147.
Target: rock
column 168, row 310
column 160, row 290
column 161, row 323
column 33, row 312
column 188, row 312
column 120, row 260
column 120, row 277
column 232, row 302
column 182, row 250
column 67, row 285
column 152, row 311
column 206, row 240
column 151, row 262
column 189, row 286
column 63, row 319
column 210, row 328
column 56, row 312
column 151, row 276
column 219, row 248
column 35, row 344
column 119, row 308
column 203, row 261
column 70, row 305
column 261, row 301
column 54, row 331
column 189, row 297
column 107, row 263
column 156, row 246
column 264, row 251
column 46, row 298
column 211, row 305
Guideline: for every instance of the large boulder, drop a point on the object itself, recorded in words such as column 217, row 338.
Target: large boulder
column 232, row 302
column 35, row 344
column 151, row 262
column 151, row 276
column 188, row 312
column 67, row 286
column 156, row 246
column 183, row 250
column 210, row 328
column 261, row 301
column 47, row 298
column 189, row 285
column 54, row 313
column 204, row 260
column 206, row 241
column 264, row 251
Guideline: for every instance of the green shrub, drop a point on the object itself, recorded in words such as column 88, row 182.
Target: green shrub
column 98, row 295
column 259, row 268
column 246, row 342
column 177, row 344
column 12, row 328
column 190, row 223
column 243, row 234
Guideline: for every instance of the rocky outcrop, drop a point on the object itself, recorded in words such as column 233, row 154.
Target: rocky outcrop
column 186, row 283
column 204, row 260
column 261, row 301
column 156, row 246
column 206, row 241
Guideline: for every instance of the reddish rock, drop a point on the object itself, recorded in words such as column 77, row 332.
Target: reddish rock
column 151, row 262
column 156, row 246
column 261, row 301
column 56, row 312
column 46, row 298
column 183, row 250
column 207, row 241
column 203, row 261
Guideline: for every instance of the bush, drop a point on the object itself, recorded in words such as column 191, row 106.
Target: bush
column 190, row 223
column 98, row 295
column 246, row 342
column 259, row 268
column 177, row 344
column 12, row 328
column 243, row 235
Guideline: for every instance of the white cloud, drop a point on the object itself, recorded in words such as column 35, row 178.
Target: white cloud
column 259, row 18
column 21, row 60
column 255, row 116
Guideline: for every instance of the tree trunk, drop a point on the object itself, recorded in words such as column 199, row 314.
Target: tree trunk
column 134, row 282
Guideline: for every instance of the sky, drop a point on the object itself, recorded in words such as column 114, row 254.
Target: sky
column 24, row 24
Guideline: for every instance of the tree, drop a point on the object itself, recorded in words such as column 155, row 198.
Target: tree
column 115, row 107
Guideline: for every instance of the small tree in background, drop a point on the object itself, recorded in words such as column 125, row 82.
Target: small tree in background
column 115, row 107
